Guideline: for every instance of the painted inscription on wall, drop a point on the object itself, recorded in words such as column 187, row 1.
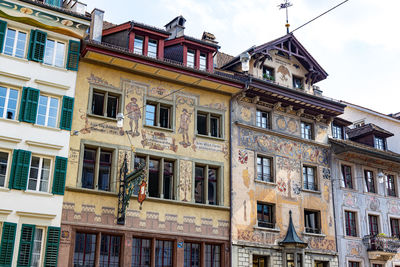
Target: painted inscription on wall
column 158, row 140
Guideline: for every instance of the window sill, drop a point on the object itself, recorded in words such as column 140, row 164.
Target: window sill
column 53, row 67
column 313, row 234
column 371, row 193
column 159, row 128
column 210, row 137
column 352, row 237
column 23, row 59
column 90, row 191
column 101, row 117
column 47, row 127
column 275, row 230
column 38, row 193
column 392, row 197
column 10, row 120
column 348, row 189
column 311, row 191
column 265, row 182
column 4, row 189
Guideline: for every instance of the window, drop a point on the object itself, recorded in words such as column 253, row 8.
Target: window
column 268, row 73
column 369, row 181
column 47, row 111
column 351, row 226
column 192, row 255
column 347, row 176
column 354, row 264
column 391, row 185
column 164, row 253
column 297, row 83
column 312, row 222
column 321, row 263
column 3, row 168
column 306, row 130
column 203, row 61
column 54, row 53
column 292, row 258
column 213, row 255
column 37, row 248
column 206, row 175
column 96, row 168
column 395, row 227
column 377, row 265
column 152, row 48
column 260, row 261
column 110, row 250
column 264, row 169
column 158, row 114
column 337, row 131
column 85, row 248
column 265, row 215
column 209, row 124
column 373, row 224
column 190, row 58
column 138, row 45
column 105, row 104
column 8, row 103
column 309, row 178
column 15, row 43
column 39, row 174
column 141, row 252
column 262, row 119
column 161, row 176
column 379, row 143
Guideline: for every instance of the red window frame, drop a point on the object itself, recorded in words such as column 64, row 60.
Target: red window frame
column 351, row 225
column 109, row 246
column 347, row 176
column 86, row 250
column 190, row 258
column 391, row 185
column 373, row 224
column 140, row 255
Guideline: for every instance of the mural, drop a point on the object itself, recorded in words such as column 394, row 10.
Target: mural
column 326, row 173
column 373, row 203
column 185, row 177
column 354, row 248
column 321, row 243
column 394, row 207
column 184, row 127
column 243, row 156
column 134, row 114
column 286, row 124
column 284, row 73
column 158, row 140
column 260, row 237
column 349, row 200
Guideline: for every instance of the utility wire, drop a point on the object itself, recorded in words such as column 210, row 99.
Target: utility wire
column 320, row 15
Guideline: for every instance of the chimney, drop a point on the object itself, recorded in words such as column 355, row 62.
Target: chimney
column 209, row 38
column 176, row 27
column 96, row 25
column 75, row 6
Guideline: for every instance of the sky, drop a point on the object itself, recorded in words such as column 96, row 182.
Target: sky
column 357, row 43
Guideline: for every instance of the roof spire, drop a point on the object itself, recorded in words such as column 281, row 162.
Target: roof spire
column 291, row 238
column 286, row 5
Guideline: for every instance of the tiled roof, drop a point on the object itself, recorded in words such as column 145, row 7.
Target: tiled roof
column 366, row 129
column 223, row 58
column 108, row 25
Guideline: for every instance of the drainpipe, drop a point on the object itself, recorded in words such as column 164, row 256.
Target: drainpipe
column 333, row 204
column 129, row 35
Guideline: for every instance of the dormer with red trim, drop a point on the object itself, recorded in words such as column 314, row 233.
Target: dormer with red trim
column 189, row 51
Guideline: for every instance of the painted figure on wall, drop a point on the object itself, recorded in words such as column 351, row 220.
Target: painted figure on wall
column 134, row 115
column 184, row 127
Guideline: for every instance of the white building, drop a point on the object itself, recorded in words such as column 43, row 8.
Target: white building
column 39, row 54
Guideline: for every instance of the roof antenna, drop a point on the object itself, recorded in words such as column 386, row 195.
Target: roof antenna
column 286, row 5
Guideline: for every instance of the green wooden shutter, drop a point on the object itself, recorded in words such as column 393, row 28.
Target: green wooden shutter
column 66, row 113
column 3, row 28
column 13, row 167
column 26, row 245
column 60, row 172
column 73, row 55
column 7, row 243
column 23, row 102
column 52, row 244
column 29, row 104
column 37, row 45
column 20, row 169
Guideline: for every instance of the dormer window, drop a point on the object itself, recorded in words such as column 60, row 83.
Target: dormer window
column 268, row 73
column 379, row 143
column 190, row 58
column 203, row 61
column 297, row 82
column 138, row 45
column 152, row 48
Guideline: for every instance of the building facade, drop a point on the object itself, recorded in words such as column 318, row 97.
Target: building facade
column 39, row 45
column 176, row 122
column 280, row 160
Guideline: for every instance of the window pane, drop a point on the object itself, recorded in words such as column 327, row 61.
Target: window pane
column 153, row 178
column 213, row 256
column 214, row 124
column 109, row 251
column 190, row 59
column 138, row 45
column 49, row 52
column 98, row 103
column 20, row 48
column 192, row 255
column 105, row 171
column 112, row 106
column 150, row 115
column 164, row 117
column 141, row 252
column 42, row 110
column 3, row 96
column 45, row 174
column 60, row 50
column 199, row 185
column 85, row 248
column 3, row 167
column 164, row 252
column 88, row 168
column 203, row 61
column 202, row 124
column 168, row 179
column 52, row 114
column 152, row 48
column 33, row 173
column 36, row 248
column 212, row 186
column 9, row 43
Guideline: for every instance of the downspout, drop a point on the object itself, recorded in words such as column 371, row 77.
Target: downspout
column 246, row 87
column 129, row 33
column 333, row 203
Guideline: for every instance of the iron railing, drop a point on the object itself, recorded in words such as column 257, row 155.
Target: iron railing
column 381, row 243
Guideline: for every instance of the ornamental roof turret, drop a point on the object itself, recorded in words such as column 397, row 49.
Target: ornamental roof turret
column 292, row 239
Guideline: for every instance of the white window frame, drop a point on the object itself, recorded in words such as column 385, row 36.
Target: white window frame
column 53, row 56
column 46, row 121
column 7, row 167
column 39, row 178
column 17, row 31
column 43, row 241
column 6, row 102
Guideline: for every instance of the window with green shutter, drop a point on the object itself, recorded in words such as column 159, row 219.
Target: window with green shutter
column 52, row 245
column 25, row 245
column 60, row 172
column 20, row 169
column 7, row 243
column 73, row 55
column 66, row 113
column 29, row 104
column 37, row 45
column 3, row 28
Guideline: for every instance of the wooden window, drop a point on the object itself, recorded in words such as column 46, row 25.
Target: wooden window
column 391, row 185
column 141, row 252
column 67, row 111
column 110, row 250
column 369, row 181
column 203, row 61
column 209, row 124
column 395, row 227
column 97, row 168
column 337, row 131
column 207, row 175
column 152, row 48
column 379, row 143
column 373, row 224
column 164, row 253
column 15, row 43
column 377, row 265
column 351, row 225
column 3, row 167
column 54, row 53
column 312, row 221
column 306, row 130
column 105, row 103
column 347, row 176
column 264, row 169
column 213, row 255
column 192, row 255
column 309, row 178
column 260, row 261
column 85, row 249
column 29, row 104
column 37, row 247
column 262, row 119
column 321, row 263
column 39, row 174
column 158, row 114
column 265, row 215
column 7, row 243
column 268, row 73
column 138, row 45
column 354, row 264
column 297, row 82
column 74, row 49
column 47, row 113
column 37, row 45
column 190, row 58
column 8, row 103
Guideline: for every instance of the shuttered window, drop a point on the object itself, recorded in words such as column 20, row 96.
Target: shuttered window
column 66, row 113
column 37, row 45
column 20, row 169
column 60, row 172
column 52, row 245
column 73, row 55
column 25, row 245
column 29, row 104
column 3, row 27
column 7, row 243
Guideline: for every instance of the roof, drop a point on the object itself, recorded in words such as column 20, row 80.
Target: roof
column 223, row 58
column 342, row 122
column 389, row 117
column 366, row 129
column 291, row 237
column 58, row 9
column 110, row 25
column 193, row 39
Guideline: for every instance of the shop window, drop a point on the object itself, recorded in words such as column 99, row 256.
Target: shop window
column 110, row 250
column 213, row 255
column 164, row 253
column 141, row 252
column 85, row 249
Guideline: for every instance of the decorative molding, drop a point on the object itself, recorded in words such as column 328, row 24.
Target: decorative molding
column 14, row 76
column 57, row 85
column 44, row 145
column 5, row 212
column 36, row 215
column 10, row 139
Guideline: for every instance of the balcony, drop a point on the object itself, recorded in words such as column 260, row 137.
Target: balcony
column 381, row 247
